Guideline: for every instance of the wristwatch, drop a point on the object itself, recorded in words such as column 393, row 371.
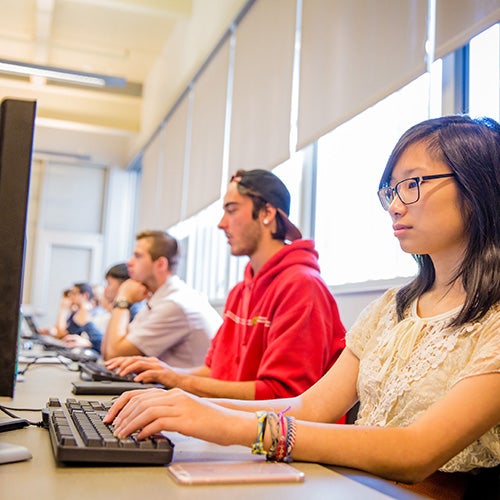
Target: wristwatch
column 122, row 304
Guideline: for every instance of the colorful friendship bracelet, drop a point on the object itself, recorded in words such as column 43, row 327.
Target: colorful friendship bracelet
column 283, row 431
column 282, row 444
column 280, row 454
column 258, row 446
column 274, row 427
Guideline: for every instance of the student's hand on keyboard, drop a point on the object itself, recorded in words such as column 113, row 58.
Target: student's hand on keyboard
column 48, row 331
column 76, row 341
column 152, row 410
column 123, row 365
column 165, row 376
column 149, row 370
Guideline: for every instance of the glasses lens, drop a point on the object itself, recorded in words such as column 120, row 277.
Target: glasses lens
column 408, row 190
column 385, row 196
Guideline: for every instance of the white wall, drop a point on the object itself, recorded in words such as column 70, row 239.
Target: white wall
column 351, row 304
column 81, row 220
column 186, row 50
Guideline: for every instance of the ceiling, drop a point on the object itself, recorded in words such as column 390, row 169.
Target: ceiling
column 121, row 38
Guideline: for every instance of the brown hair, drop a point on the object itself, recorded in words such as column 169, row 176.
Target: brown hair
column 162, row 245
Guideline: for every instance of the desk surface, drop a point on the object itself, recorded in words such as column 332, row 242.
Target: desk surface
column 43, row 478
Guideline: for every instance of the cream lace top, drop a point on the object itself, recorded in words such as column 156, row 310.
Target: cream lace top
column 405, row 367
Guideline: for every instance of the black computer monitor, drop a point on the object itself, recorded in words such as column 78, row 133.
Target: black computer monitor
column 17, row 118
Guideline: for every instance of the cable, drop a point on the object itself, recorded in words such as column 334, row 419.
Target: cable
column 59, row 357
column 32, row 362
column 2, row 407
column 7, row 411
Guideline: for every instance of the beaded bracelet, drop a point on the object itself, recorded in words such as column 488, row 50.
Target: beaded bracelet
column 282, row 447
column 290, row 438
column 258, row 446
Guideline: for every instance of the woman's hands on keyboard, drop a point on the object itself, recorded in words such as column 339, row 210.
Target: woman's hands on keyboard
column 152, row 410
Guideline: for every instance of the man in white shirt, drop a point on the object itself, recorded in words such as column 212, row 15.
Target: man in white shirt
column 177, row 324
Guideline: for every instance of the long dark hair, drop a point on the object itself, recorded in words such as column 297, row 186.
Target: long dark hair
column 471, row 148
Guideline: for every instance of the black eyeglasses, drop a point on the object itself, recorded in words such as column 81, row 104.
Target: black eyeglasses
column 408, row 190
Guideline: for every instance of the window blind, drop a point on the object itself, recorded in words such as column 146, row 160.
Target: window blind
column 174, row 153
column 207, row 133
column 262, row 86
column 150, row 189
column 354, row 54
column 457, row 21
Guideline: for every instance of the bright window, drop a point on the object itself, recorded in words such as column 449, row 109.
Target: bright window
column 353, row 233
column 484, row 98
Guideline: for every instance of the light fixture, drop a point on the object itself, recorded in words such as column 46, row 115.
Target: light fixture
column 61, row 74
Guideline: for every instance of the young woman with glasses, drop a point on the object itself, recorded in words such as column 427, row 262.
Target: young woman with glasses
column 423, row 361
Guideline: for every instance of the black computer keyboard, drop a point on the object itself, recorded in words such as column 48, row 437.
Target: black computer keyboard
column 96, row 371
column 77, row 434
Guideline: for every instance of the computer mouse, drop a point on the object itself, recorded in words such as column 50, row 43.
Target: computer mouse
column 13, row 453
column 85, row 353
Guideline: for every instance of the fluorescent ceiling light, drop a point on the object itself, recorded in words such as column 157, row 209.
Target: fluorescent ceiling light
column 66, row 75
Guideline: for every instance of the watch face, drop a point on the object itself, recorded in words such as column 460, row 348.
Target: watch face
column 122, row 304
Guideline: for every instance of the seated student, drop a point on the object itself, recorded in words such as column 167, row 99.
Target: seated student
column 114, row 277
column 95, row 324
column 282, row 329
column 83, row 325
column 177, row 323
column 77, row 313
column 65, row 308
column 424, row 360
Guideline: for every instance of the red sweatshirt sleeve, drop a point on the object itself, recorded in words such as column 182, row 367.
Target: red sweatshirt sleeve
column 304, row 340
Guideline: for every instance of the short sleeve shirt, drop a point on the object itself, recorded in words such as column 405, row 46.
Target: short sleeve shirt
column 176, row 325
column 406, row 366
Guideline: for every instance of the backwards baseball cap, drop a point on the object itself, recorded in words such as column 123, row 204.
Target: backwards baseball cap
column 272, row 190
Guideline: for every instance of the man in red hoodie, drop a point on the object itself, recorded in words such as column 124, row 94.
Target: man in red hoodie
column 281, row 329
